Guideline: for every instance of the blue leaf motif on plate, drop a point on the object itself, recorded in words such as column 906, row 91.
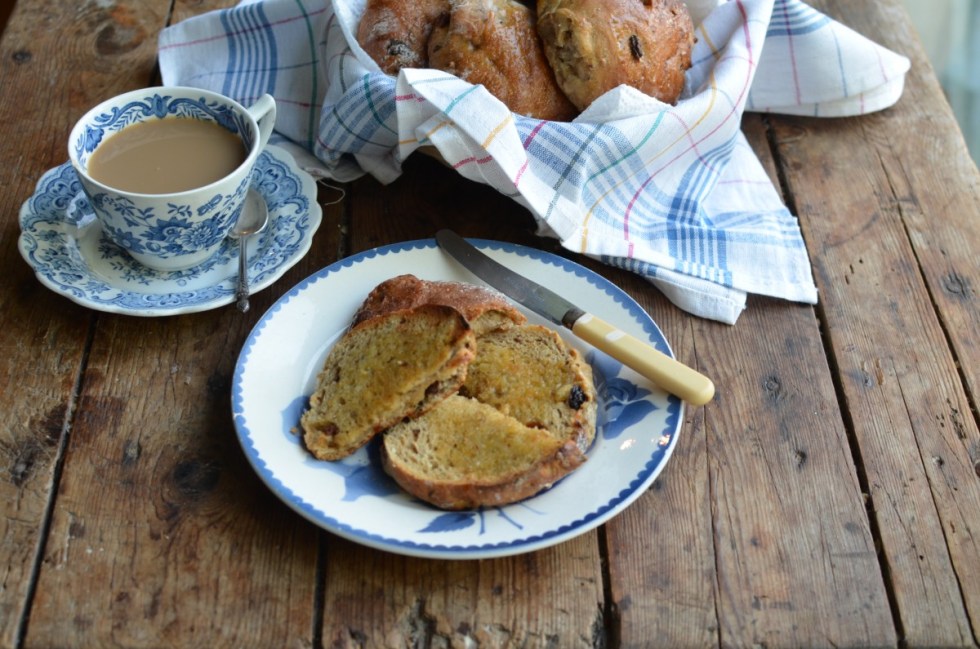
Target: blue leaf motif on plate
column 367, row 479
column 361, row 478
column 450, row 522
column 459, row 520
column 622, row 415
column 622, row 402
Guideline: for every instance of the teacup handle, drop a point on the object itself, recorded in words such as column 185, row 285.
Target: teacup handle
column 264, row 112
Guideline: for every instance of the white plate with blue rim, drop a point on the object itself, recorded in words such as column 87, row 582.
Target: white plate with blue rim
column 276, row 372
column 64, row 244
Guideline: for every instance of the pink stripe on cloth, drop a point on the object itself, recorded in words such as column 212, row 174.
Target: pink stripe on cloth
column 473, row 160
column 792, row 59
column 223, row 36
column 533, row 134
column 527, row 142
column 520, row 173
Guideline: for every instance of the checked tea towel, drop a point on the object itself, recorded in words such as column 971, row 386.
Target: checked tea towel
column 673, row 193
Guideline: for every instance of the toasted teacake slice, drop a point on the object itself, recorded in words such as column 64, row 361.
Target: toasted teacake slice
column 464, row 454
column 530, row 373
column 383, row 370
column 484, row 308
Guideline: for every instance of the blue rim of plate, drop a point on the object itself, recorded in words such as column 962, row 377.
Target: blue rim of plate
column 631, row 489
column 63, row 243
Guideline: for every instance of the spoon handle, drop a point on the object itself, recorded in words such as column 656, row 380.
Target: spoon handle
column 241, row 294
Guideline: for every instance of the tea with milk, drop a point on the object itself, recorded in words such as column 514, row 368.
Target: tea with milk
column 165, row 156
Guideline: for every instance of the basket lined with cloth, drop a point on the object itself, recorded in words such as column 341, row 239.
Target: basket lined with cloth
column 671, row 192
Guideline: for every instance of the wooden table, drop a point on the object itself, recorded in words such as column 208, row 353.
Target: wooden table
column 828, row 496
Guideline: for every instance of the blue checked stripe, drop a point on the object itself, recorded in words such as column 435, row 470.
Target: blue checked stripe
column 364, row 120
column 252, row 52
column 791, row 18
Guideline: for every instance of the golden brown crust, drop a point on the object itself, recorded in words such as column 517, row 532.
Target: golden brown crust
column 494, row 43
column 594, row 46
column 395, row 33
column 484, row 308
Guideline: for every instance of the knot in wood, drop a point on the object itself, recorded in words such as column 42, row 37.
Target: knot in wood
column 773, row 387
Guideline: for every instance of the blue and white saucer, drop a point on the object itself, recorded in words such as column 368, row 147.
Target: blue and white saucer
column 64, row 244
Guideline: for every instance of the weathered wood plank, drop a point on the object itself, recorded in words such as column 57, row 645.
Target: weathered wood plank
column 52, row 70
column 935, row 186
column 661, row 557
column 702, row 561
column 550, row 598
column 6, row 9
column 40, row 359
column 161, row 534
column 918, row 445
column 796, row 562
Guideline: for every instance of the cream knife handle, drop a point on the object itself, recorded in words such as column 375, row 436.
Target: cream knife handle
column 674, row 377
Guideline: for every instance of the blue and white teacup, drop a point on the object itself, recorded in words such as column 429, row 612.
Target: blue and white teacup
column 170, row 232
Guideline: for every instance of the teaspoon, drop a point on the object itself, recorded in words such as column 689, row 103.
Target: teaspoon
column 252, row 220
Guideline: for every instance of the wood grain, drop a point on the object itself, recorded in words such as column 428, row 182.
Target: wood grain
column 760, row 564
column 796, row 566
column 661, row 556
column 6, row 9
column 158, row 505
column 549, row 598
column 933, row 183
column 161, row 534
column 44, row 337
column 918, row 445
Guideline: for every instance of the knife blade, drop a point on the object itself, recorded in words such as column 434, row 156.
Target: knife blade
column 668, row 373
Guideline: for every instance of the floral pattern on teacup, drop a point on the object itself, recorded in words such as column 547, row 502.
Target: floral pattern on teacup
column 178, row 232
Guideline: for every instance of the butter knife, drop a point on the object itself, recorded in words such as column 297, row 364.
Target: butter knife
column 671, row 375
